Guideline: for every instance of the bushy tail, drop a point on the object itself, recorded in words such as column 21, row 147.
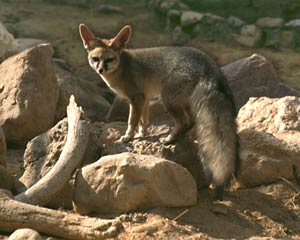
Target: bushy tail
column 214, row 113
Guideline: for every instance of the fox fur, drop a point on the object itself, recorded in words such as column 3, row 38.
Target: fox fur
column 192, row 88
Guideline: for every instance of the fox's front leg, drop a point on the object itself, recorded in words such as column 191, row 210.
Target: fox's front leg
column 144, row 121
column 136, row 106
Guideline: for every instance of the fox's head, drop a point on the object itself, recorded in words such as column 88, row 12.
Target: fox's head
column 104, row 54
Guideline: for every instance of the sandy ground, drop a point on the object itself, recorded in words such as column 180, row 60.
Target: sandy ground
column 267, row 212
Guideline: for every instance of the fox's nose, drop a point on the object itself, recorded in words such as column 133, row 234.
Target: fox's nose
column 101, row 70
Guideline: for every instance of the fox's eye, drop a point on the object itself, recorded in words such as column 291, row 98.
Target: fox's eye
column 96, row 59
column 108, row 60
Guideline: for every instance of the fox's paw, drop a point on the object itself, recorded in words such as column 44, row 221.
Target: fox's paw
column 167, row 140
column 125, row 139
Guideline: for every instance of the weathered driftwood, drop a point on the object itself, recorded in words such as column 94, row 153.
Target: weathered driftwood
column 15, row 214
column 77, row 139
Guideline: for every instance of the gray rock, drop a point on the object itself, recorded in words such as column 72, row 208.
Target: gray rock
column 128, row 182
column 87, row 94
column 293, row 23
column 29, row 94
column 235, row 22
column 254, row 76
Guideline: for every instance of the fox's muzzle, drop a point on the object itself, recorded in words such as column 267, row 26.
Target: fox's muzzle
column 101, row 67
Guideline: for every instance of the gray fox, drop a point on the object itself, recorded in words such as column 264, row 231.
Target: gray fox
column 192, row 88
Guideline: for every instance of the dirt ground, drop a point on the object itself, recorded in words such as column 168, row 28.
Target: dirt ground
column 268, row 212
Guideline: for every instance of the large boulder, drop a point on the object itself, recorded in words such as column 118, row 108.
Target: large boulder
column 87, row 94
column 7, row 43
column 28, row 94
column 254, row 76
column 128, row 182
column 269, row 131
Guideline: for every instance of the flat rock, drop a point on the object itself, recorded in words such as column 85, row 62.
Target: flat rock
column 28, row 95
column 128, row 182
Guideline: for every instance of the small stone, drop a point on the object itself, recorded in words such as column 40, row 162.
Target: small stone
column 235, row 22
column 25, row 234
column 219, row 208
column 190, row 18
column 293, row 23
column 268, row 22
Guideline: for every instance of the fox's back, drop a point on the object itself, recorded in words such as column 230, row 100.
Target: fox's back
column 169, row 67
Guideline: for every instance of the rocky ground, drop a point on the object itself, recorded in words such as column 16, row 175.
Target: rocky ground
column 263, row 205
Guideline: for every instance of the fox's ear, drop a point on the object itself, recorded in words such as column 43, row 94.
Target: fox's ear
column 122, row 38
column 88, row 38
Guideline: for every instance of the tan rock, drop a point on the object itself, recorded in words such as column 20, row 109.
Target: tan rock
column 127, row 182
column 270, row 140
column 25, row 234
column 28, row 95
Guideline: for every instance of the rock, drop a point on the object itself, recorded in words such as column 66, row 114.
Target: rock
column 190, row 18
column 42, row 153
column 269, row 131
column 173, row 19
column 40, row 156
column 268, row 22
column 254, row 76
column 128, row 182
column 6, row 180
column 165, row 5
column 250, row 36
column 108, row 133
column 235, row 22
column 87, row 95
column 278, row 39
column 25, row 234
column 25, row 43
column 7, row 43
column 108, row 9
column 28, row 94
column 2, row 148
column 293, row 23
column 212, row 18
column 179, row 37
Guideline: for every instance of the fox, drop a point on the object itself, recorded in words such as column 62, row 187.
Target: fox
column 191, row 86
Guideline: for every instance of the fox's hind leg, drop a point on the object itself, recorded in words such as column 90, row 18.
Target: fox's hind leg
column 180, row 111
